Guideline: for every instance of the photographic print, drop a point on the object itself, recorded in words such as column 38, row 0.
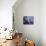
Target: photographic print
column 28, row 19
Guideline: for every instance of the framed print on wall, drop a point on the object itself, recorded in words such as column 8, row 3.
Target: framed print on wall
column 28, row 20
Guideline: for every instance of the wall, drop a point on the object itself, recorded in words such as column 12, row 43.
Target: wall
column 29, row 8
column 43, row 22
